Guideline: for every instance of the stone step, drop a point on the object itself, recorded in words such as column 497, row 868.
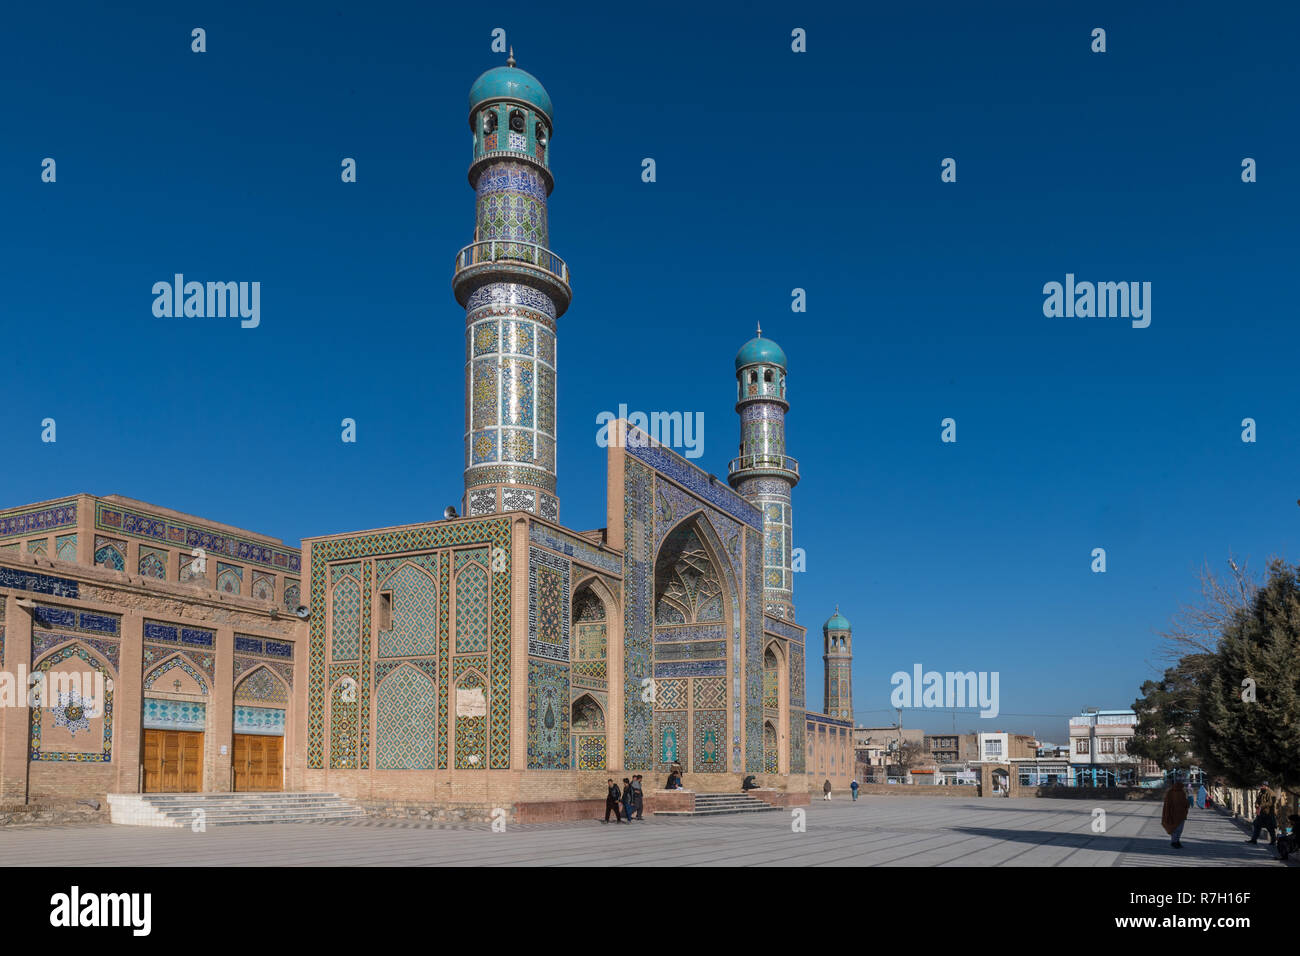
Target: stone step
column 226, row 809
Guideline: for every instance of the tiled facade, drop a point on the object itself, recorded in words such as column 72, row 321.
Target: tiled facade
column 489, row 657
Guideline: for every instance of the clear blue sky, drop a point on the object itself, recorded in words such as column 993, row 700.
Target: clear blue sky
column 775, row 171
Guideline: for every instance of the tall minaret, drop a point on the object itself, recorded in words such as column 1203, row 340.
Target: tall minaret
column 513, row 289
column 838, row 660
column 764, row 474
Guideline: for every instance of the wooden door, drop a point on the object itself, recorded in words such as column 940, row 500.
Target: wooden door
column 259, row 762
column 173, row 761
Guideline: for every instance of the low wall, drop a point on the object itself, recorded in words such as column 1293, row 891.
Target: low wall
column 782, row 798
column 50, row 814
column 917, row 790
column 1090, row 793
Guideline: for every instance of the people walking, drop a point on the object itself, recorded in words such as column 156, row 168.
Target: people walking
column 1202, row 796
column 611, row 801
column 826, row 790
column 854, row 788
column 638, row 795
column 1265, row 815
column 1174, row 814
column 627, row 798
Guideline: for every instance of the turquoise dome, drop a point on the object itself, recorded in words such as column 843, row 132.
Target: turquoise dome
column 837, row 622
column 760, row 351
column 510, row 82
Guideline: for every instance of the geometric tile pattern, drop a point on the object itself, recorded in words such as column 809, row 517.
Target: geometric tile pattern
column 176, row 663
column 343, row 726
column 230, row 578
column 153, row 563
column 263, row 588
column 693, row 479
column 414, row 613
column 770, row 754
column 110, row 553
column 262, row 687
column 548, row 715
column 591, row 751
column 670, row 740
column 493, row 532
column 671, row 694
column 473, row 610
column 548, row 605
column 346, row 643
column 406, row 708
column 710, row 693
column 65, row 547
column 710, row 732
column 471, row 725
column 643, row 741
column 141, row 525
column 753, row 661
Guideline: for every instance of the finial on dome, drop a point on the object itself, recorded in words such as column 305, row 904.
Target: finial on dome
column 760, row 329
column 510, row 60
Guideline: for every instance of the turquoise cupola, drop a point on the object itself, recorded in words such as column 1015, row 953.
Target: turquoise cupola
column 760, row 351
column 837, row 622
column 510, row 83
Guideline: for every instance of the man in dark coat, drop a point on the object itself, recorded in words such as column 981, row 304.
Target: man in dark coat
column 611, row 801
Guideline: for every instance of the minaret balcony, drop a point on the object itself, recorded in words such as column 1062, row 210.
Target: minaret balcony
column 781, row 466
column 508, row 260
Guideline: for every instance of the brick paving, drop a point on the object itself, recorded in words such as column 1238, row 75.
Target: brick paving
column 875, row 831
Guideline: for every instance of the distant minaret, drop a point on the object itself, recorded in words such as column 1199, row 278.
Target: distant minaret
column 763, row 474
column 513, row 289
column 838, row 659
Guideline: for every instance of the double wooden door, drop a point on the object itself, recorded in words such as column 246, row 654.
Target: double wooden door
column 173, row 761
column 259, row 762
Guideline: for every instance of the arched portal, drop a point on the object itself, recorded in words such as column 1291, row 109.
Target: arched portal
column 693, row 595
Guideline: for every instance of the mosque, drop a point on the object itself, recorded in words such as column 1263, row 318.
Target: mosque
column 491, row 657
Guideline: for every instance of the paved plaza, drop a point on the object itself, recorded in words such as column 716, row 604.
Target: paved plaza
column 875, row 831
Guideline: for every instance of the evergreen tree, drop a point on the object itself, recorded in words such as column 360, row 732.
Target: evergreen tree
column 1247, row 722
column 1165, row 713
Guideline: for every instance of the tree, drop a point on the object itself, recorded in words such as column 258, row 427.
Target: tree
column 1247, row 722
column 1196, row 629
column 1165, row 712
column 904, row 756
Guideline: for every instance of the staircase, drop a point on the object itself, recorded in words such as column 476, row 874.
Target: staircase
column 719, row 804
column 227, row 809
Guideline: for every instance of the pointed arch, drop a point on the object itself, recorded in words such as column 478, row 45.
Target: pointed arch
column 345, row 618
column 262, row 687
column 412, row 613
column 344, row 723
column 406, row 710
column 66, row 704
column 171, row 662
column 472, row 592
column 470, row 705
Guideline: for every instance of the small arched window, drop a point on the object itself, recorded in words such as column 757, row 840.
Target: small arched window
column 753, row 378
column 489, row 121
column 767, row 375
column 517, row 121
column 539, row 133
